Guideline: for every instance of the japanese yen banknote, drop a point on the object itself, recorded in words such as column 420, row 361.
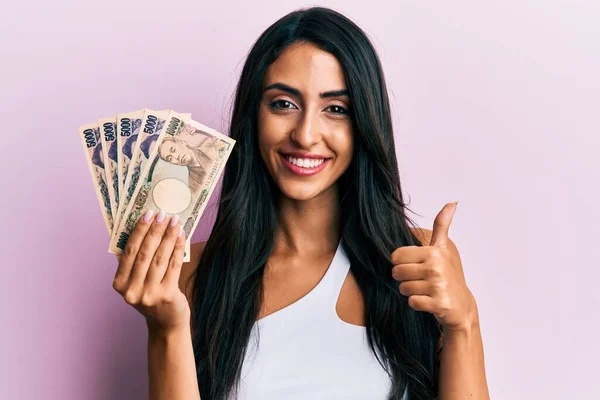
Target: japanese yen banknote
column 152, row 160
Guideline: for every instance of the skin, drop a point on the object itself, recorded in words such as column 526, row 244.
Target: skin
column 307, row 122
column 148, row 279
column 306, row 237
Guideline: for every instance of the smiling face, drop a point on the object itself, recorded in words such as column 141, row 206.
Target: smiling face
column 304, row 124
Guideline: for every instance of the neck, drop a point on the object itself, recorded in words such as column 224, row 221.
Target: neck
column 308, row 226
column 194, row 162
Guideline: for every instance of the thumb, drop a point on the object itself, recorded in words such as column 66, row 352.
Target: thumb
column 441, row 225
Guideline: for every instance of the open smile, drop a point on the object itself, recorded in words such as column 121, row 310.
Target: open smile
column 304, row 166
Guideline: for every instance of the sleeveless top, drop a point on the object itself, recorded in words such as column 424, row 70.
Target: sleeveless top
column 306, row 352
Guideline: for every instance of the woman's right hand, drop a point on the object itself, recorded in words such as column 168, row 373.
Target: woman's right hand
column 149, row 269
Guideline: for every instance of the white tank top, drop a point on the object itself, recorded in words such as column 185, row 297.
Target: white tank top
column 305, row 351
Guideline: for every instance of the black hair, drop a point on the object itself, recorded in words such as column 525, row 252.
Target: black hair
column 228, row 283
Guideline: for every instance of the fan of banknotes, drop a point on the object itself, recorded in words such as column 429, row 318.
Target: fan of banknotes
column 158, row 160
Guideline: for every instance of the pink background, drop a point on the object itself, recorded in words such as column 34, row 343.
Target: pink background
column 496, row 104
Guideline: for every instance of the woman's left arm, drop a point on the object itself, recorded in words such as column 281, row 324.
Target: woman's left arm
column 462, row 368
column 433, row 280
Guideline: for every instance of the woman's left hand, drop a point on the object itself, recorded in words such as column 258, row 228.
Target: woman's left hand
column 432, row 276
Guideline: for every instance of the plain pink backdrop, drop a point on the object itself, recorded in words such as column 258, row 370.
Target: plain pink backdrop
column 495, row 104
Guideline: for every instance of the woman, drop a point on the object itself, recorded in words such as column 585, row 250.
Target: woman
column 296, row 294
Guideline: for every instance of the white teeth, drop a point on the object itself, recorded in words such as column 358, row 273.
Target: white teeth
column 305, row 162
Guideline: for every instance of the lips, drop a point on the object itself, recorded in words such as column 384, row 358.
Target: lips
column 297, row 154
column 314, row 165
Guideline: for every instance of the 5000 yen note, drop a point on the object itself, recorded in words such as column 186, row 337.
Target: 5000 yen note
column 128, row 128
column 179, row 177
column 151, row 127
column 108, row 135
column 92, row 146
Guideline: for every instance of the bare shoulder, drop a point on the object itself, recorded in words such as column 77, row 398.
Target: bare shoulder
column 424, row 235
column 186, row 281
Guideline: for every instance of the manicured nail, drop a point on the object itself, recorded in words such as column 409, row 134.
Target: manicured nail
column 174, row 219
column 161, row 216
column 180, row 232
column 148, row 215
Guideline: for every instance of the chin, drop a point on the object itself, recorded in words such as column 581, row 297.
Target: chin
column 302, row 191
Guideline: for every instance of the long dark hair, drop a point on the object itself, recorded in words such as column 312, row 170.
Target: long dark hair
column 228, row 283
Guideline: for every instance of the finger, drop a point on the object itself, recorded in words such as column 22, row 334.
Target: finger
column 409, row 255
column 411, row 288
column 146, row 253
column 171, row 279
column 441, row 225
column 409, row 272
column 422, row 303
column 127, row 258
column 160, row 262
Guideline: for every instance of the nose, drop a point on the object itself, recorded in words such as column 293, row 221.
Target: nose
column 307, row 133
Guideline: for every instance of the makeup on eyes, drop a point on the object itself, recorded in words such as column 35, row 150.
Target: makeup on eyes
column 275, row 105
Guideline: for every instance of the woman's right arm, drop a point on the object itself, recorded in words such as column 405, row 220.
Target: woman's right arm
column 149, row 277
column 171, row 365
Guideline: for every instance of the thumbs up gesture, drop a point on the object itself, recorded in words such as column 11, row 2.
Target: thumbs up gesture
column 432, row 278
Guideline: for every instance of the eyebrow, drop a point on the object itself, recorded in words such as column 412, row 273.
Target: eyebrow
column 296, row 92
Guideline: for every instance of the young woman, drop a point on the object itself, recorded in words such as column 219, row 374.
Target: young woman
column 313, row 284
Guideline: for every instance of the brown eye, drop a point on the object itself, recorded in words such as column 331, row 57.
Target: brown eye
column 337, row 110
column 282, row 105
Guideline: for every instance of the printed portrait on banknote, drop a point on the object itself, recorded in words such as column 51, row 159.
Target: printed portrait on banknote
column 114, row 175
column 194, row 149
column 98, row 162
column 92, row 144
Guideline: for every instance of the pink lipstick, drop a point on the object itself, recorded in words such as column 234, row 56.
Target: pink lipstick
column 304, row 171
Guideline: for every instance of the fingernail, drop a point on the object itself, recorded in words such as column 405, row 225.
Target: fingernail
column 161, row 216
column 456, row 203
column 148, row 215
column 174, row 219
column 180, row 232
